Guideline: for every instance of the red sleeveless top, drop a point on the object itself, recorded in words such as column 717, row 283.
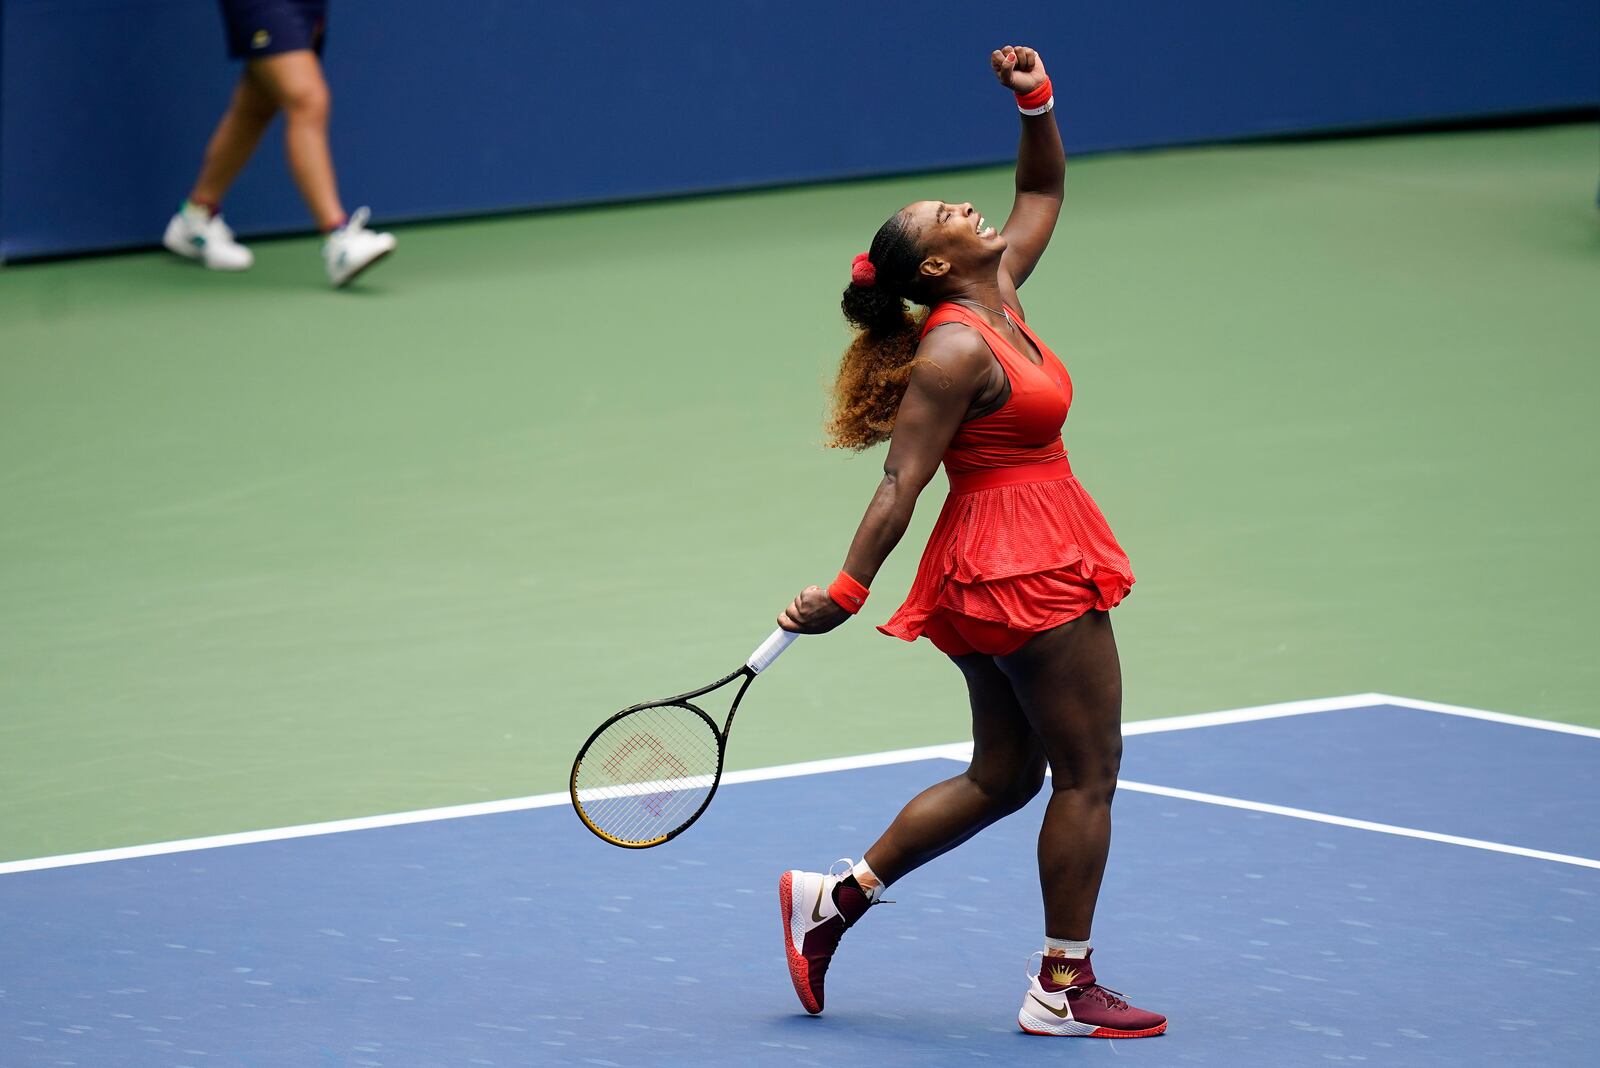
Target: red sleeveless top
column 1026, row 430
column 1019, row 541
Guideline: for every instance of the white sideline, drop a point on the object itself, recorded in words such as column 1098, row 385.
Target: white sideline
column 1253, row 713
column 952, row 751
column 963, row 750
column 454, row 812
column 1360, row 825
column 1478, row 713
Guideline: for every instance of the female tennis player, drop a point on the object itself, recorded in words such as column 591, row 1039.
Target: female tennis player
column 280, row 42
column 1016, row 580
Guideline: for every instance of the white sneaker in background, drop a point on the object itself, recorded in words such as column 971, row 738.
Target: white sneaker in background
column 196, row 234
column 353, row 248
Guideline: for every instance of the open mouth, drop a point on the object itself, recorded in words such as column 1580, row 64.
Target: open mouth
column 984, row 229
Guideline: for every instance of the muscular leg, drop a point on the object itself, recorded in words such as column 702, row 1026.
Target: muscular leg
column 294, row 81
column 1068, row 682
column 1006, row 772
column 234, row 141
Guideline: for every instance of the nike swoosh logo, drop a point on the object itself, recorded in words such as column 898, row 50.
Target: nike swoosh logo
column 816, row 910
column 1063, row 1013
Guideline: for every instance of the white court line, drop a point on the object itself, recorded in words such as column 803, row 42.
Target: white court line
column 953, row 751
column 1360, row 825
column 278, row 834
column 1253, row 713
column 868, row 760
column 1478, row 713
column 963, row 750
column 1336, row 704
column 455, row 812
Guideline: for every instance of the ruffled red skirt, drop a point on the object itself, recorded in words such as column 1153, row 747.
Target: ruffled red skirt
column 1014, row 552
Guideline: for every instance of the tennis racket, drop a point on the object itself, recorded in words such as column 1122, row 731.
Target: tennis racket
column 648, row 772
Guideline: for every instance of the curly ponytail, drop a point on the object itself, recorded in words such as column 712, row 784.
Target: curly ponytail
column 877, row 365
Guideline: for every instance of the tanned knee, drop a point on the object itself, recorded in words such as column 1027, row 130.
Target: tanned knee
column 310, row 104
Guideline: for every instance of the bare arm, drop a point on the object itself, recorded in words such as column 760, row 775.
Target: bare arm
column 952, row 364
column 1041, row 164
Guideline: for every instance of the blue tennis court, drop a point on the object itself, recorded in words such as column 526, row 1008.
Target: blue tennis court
column 1360, row 881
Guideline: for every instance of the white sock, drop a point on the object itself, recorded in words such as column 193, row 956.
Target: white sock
column 862, row 868
column 1066, row 947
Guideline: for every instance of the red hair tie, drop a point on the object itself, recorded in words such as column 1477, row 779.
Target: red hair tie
column 862, row 272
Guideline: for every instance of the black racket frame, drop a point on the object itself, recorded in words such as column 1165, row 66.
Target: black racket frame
column 682, row 700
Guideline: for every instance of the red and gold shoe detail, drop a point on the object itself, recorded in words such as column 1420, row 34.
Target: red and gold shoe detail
column 1066, row 1000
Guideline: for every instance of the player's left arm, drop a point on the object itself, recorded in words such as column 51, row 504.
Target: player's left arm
column 950, row 369
column 1041, row 165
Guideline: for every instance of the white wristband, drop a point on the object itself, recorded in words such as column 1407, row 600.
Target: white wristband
column 1046, row 106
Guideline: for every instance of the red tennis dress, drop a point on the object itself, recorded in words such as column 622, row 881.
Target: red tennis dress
column 1020, row 546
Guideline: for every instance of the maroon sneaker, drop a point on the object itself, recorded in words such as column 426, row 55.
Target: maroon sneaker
column 816, row 910
column 1065, row 999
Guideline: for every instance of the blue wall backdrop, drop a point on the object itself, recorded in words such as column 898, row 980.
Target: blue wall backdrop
column 485, row 105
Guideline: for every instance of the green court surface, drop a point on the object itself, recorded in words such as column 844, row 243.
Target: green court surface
column 272, row 554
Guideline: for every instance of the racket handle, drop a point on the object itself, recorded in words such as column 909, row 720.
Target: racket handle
column 770, row 650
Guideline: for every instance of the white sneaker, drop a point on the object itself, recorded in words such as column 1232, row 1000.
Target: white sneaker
column 353, row 248
column 196, row 234
column 817, row 908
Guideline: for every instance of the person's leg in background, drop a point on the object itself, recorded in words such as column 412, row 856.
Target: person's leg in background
column 233, row 142
column 197, row 230
column 281, row 42
column 294, row 83
column 294, row 80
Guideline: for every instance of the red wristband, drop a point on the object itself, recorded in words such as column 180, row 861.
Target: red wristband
column 1036, row 101
column 847, row 593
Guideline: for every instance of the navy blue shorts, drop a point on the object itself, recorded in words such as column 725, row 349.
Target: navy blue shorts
column 259, row 28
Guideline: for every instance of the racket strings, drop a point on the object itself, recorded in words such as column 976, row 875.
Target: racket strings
column 648, row 773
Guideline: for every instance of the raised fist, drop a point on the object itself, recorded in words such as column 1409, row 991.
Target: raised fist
column 1018, row 67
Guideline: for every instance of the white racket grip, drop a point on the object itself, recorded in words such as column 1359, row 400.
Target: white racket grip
column 770, row 650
